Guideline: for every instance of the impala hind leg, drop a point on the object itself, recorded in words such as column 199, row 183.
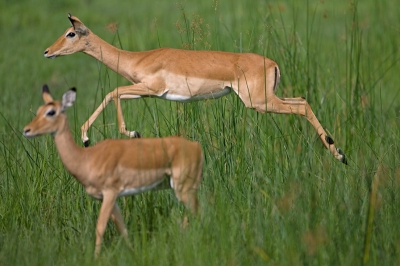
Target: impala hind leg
column 191, row 202
column 301, row 107
column 186, row 190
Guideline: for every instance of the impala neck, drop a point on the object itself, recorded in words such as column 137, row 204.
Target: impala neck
column 70, row 153
column 114, row 58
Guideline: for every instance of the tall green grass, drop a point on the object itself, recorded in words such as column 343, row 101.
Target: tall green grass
column 271, row 194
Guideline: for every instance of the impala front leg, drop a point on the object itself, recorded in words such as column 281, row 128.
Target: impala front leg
column 85, row 127
column 121, row 121
column 107, row 207
column 127, row 92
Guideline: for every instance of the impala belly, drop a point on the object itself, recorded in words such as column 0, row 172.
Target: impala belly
column 137, row 181
column 182, row 98
column 182, row 88
column 138, row 190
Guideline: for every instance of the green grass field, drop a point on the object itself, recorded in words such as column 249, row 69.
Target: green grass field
column 271, row 193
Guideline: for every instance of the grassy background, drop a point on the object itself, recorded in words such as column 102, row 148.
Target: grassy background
column 271, row 194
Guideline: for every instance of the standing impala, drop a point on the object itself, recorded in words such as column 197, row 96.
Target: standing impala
column 185, row 76
column 114, row 168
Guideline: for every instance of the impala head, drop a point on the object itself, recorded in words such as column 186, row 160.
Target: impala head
column 72, row 41
column 50, row 117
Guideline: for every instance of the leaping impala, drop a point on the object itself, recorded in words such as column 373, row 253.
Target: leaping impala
column 185, row 76
column 114, row 168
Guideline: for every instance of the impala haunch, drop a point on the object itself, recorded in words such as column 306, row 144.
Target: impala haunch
column 114, row 168
column 185, row 76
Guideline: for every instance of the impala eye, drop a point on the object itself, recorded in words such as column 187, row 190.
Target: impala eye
column 51, row 113
column 71, row 34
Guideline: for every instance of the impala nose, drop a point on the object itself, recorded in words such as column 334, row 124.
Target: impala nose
column 26, row 131
column 45, row 52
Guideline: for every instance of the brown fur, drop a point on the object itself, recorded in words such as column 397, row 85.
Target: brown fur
column 184, row 75
column 113, row 167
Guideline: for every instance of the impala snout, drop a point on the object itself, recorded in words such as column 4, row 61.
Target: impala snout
column 27, row 130
column 46, row 54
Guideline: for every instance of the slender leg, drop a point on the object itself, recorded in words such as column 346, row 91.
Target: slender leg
column 118, row 220
column 186, row 186
column 191, row 202
column 107, row 207
column 120, row 116
column 264, row 100
column 300, row 106
column 85, row 127
column 126, row 92
column 119, row 223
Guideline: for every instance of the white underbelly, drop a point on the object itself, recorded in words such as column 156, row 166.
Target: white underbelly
column 181, row 98
column 135, row 191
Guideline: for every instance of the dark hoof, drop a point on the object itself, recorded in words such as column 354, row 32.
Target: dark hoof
column 86, row 143
column 136, row 135
column 344, row 160
column 329, row 140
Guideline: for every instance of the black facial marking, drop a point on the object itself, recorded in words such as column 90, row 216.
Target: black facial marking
column 329, row 140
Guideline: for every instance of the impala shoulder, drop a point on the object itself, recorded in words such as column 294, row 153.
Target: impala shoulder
column 108, row 146
column 94, row 192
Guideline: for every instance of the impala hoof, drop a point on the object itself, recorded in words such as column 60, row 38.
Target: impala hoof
column 343, row 160
column 86, row 143
column 134, row 134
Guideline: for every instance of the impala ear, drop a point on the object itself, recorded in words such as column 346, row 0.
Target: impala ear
column 46, row 94
column 68, row 99
column 78, row 25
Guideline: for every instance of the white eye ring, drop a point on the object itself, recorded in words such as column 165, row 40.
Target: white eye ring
column 51, row 112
